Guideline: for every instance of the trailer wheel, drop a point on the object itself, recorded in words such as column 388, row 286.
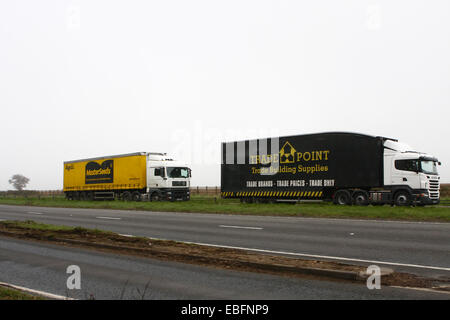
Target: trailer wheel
column 361, row 198
column 402, row 198
column 126, row 196
column 136, row 196
column 90, row 196
column 342, row 197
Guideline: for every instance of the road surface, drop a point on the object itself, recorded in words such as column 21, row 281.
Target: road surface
column 43, row 267
column 419, row 247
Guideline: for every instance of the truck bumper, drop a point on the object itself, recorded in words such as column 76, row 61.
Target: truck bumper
column 424, row 199
column 177, row 194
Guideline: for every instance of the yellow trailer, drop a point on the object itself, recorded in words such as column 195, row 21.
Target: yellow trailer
column 121, row 172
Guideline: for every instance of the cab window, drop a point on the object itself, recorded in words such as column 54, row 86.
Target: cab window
column 407, row 165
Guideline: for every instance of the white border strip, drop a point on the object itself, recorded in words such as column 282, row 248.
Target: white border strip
column 320, row 256
column 421, row 289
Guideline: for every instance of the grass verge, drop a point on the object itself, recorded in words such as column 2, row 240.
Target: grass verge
column 201, row 204
column 13, row 294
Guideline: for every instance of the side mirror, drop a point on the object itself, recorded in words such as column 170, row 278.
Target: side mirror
column 439, row 163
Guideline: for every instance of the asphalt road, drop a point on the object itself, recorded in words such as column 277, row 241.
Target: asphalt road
column 422, row 248
column 43, row 267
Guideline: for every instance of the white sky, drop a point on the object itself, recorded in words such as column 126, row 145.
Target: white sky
column 82, row 79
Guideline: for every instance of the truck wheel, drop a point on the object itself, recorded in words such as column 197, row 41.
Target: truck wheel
column 342, row 197
column 155, row 196
column 136, row 196
column 402, row 198
column 90, row 196
column 126, row 196
column 361, row 198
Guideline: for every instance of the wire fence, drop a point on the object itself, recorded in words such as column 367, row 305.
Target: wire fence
column 203, row 191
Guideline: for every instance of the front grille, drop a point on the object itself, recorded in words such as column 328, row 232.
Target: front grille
column 434, row 189
column 178, row 183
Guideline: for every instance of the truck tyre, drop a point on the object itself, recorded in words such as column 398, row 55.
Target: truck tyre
column 136, row 196
column 155, row 196
column 361, row 198
column 342, row 197
column 126, row 196
column 90, row 196
column 402, row 198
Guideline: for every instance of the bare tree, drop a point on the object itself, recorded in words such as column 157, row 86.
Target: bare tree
column 19, row 181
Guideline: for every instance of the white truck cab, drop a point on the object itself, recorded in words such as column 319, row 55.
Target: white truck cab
column 411, row 175
column 166, row 178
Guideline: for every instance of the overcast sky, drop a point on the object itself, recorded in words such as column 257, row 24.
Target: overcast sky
column 82, row 79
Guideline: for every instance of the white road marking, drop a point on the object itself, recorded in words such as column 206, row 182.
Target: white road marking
column 240, row 227
column 421, row 289
column 32, row 291
column 321, row 256
column 126, row 235
column 32, row 212
column 109, row 218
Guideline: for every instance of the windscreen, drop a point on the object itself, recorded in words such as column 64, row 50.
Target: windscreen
column 428, row 167
column 178, row 172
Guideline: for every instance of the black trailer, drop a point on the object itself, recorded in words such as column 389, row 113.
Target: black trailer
column 311, row 166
